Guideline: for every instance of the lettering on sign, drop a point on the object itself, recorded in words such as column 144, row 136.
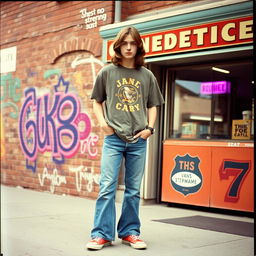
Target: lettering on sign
column 198, row 37
column 186, row 176
column 92, row 17
column 241, row 130
column 215, row 87
column 236, row 171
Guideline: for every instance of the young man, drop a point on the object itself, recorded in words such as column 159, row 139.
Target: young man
column 125, row 98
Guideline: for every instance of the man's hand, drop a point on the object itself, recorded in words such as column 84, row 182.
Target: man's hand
column 144, row 134
column 106, row 128
column 98, row 110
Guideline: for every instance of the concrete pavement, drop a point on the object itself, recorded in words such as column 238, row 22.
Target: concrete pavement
column 42, row 224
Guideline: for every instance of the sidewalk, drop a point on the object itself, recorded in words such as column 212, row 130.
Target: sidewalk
column 42, row 224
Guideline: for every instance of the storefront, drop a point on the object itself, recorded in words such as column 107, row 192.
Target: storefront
column 202, row 153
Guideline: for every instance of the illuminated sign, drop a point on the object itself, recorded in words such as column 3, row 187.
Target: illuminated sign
column 198, row 37
column 216, row 87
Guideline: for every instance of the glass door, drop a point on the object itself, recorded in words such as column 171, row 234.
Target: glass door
column 204, row 99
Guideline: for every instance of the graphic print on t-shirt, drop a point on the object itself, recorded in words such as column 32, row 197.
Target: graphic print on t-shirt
column 128, row 94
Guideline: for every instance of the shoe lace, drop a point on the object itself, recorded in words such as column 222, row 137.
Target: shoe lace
column 97, row 239
column 135, row 237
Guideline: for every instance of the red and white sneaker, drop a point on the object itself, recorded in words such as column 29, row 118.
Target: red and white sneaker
column 134, row 241
column 97, row 243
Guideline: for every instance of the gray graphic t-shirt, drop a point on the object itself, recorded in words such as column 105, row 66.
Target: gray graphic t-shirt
column 127, row 94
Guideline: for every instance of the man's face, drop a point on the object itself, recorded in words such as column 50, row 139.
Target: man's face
column 128, row 47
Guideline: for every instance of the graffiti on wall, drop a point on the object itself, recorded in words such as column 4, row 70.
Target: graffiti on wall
column 51, row 122
column 84, row 174
column 9, row 97
column 54, row 123
column 92, row 17
column 91, row 60
column 54, row 178
column 10, row 94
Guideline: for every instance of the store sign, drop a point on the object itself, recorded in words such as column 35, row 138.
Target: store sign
column 199, row 37
column 186, row 177
column 241, row 129
column 215, row 87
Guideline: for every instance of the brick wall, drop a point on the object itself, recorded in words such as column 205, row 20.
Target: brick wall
column 50, row 140
column 130, row 8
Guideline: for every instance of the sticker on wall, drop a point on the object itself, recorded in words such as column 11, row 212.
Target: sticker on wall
column 186, row 176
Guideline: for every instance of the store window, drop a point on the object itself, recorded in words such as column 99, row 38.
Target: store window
column 207, row 98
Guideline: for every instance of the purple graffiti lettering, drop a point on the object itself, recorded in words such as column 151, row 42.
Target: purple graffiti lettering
column 51, row 125
column 61, row 83
column 69, row 127
column 25, row 145
column 42, row 130
column 30, row 166
column 49, row 119
column 54, row 123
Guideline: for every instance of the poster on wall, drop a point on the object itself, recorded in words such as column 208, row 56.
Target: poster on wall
column 8, row 59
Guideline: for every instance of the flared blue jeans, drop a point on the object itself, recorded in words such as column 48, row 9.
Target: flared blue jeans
column 114, row 149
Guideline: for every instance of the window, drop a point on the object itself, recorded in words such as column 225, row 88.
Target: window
column 206, row 98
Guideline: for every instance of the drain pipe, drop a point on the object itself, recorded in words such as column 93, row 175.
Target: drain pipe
column 118, row 11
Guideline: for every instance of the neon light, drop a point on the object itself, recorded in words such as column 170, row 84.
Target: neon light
column 216, row 87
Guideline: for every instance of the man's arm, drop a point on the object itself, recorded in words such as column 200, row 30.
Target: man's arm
column 98, row 110
column 152, row 113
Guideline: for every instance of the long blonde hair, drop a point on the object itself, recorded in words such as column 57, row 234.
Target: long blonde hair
column 139, row 57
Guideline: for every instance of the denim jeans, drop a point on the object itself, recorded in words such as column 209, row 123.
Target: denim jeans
column 114, row 149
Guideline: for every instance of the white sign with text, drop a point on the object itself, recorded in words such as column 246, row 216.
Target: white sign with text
column 8, row 59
